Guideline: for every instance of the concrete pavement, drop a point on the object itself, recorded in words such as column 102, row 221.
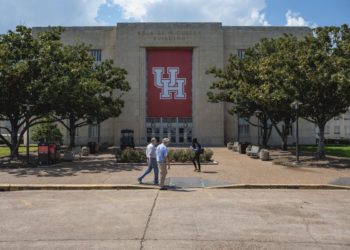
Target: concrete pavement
column 183, row 219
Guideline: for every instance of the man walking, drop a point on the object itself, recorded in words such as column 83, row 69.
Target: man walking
column 151, row 161
column 163, row 161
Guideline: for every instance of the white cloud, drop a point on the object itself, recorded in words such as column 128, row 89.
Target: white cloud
column 86, row 12
column 48, row 12
column 229, row 12
column 294, row 19
column 135, row 9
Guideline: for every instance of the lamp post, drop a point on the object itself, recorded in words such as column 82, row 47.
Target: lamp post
column 257, row 114
column 238, row 132
column 28, row 106
column 295, row 105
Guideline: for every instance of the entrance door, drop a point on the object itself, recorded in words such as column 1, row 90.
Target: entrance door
column 178, row 130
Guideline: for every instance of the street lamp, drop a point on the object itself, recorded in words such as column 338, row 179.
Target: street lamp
column 28, row 106
column 295, row 105
column 257, row 114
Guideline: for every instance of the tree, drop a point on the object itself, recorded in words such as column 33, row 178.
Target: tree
column 314, row 70
column 321, row 78
column 241, row 83
column 87, row 93
column 47, row 132
column 27, row 66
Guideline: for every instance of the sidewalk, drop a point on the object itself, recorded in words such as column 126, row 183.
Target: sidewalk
column 233, row 168
column 182, row 219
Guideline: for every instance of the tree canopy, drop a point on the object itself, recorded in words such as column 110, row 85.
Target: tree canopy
column 314, row 70
column 41, row 77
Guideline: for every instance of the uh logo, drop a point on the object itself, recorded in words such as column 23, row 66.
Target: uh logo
column 170, row 85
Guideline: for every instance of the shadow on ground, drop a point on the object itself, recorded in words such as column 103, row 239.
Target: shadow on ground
column 307, row 159
column 72, row 169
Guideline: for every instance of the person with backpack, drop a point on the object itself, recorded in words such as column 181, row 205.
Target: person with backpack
column 197, row 149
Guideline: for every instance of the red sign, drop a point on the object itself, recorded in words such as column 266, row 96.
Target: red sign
column 43, row 149
column 169, row 83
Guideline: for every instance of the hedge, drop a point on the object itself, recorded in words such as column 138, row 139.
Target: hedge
column 130, row 155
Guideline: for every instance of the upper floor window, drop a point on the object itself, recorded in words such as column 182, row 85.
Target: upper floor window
column 241, row 53
column 93, row 130
column 97, row 54
column 336, row 130
column 336, row 118
column 327, row 129
column 347, row 115
column 347, row 130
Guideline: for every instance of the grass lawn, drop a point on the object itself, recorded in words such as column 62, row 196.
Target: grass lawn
column 334, row 150
column 5, row 151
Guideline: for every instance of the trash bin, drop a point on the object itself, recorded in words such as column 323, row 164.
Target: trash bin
column 92, row 146
column 242, row 148
column 43, row 153
column 127, row 139
column 52, row 152
column 264, row 155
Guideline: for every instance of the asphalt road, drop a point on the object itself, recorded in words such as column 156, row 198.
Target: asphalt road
column 182, row 219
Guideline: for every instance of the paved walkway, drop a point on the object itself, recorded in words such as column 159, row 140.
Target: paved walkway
column 184, row 219
column 232, row 168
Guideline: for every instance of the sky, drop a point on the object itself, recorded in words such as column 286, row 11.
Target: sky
column 312, row 13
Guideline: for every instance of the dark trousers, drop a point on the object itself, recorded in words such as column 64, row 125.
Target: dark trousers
column 196, row 159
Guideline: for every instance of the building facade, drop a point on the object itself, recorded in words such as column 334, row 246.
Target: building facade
column 167, row 64
column 338, row 128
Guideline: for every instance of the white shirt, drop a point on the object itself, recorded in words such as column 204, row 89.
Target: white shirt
column 151, row 151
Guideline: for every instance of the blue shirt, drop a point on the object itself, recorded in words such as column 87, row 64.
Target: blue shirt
column 162, row 153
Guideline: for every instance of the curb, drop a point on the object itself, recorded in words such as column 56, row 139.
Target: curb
column 23, row 187
column 281, row 186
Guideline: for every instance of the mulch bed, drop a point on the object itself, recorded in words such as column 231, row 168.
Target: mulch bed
column 307, row 159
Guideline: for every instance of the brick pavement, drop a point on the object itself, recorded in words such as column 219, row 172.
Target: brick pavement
column 233, row 168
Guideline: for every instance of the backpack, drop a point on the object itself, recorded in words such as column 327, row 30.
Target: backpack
column 201, row 150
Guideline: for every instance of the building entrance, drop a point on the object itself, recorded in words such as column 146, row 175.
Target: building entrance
column 177, row 129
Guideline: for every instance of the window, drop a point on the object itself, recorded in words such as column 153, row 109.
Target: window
column 347, row 130
column 327, row 129
column 347, row 115
column 93, row 130
column 5, row 124
column 184, row 120
column 76, row 131
column 336, row 129
column 243, row 127
column 336, row 118
column 169, row 119
column 97, row 54
column 152, row 120
column 241, row 53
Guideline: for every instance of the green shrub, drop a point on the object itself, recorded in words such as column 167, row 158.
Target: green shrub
column 47, row 132
column 208, row 154
column 178, row 155
column 130, row 155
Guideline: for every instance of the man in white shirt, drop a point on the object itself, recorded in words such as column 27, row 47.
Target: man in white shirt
column 151, row 161
column 163, row 161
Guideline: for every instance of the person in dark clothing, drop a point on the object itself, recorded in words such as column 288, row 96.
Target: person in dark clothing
column 196, row 147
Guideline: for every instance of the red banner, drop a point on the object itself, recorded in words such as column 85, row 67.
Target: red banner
column 169, row 83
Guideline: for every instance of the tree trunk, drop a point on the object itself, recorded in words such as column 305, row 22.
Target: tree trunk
column 320, row 148
column 285, row 142
column 266, row 132
column 14, row 142
column 72, row 132
column 285, row 132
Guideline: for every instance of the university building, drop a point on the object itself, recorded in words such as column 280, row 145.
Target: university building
column 166, row 64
